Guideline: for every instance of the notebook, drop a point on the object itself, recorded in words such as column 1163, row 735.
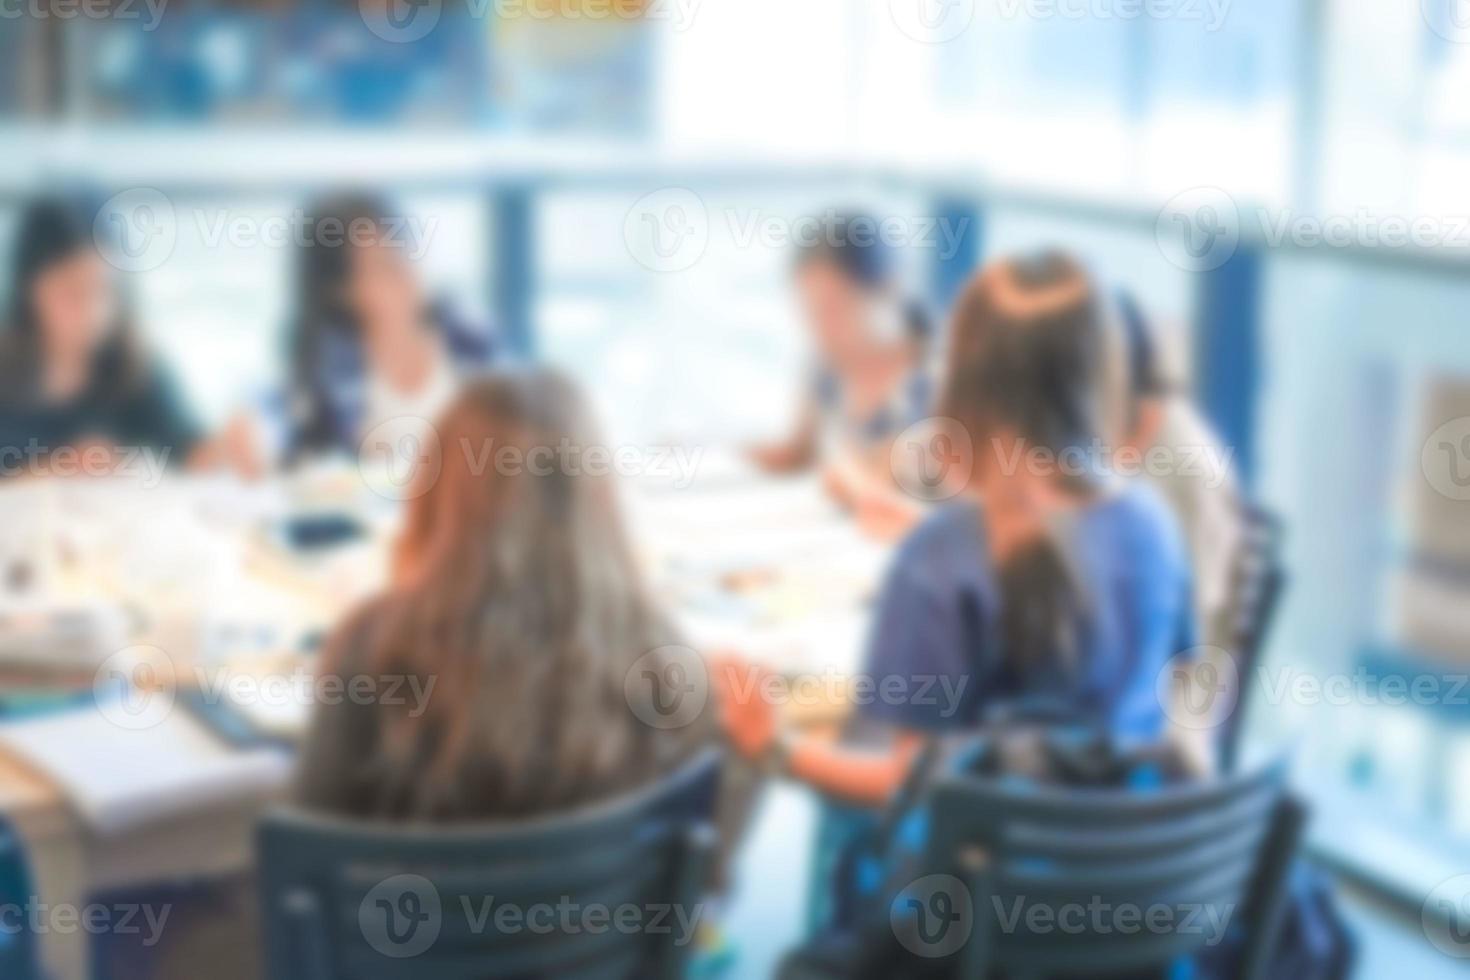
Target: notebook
column 118, row 778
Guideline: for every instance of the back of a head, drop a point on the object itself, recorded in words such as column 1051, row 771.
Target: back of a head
column 527, row 602
column 1030, row 355
column 1028, row 365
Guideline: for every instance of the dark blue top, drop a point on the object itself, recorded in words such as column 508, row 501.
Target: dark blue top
column 940, row 605
column 148, row 411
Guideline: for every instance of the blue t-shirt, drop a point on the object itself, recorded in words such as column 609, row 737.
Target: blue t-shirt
column 935, row 640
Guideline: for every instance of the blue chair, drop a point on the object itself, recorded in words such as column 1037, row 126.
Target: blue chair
column 349, row 900
column 1022, row 858
column 18, row 955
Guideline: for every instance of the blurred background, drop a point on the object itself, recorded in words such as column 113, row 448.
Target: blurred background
column 612, row 186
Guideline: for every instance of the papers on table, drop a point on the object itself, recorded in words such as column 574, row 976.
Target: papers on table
column 770, row 568
column 119, row 778
column 58, row 636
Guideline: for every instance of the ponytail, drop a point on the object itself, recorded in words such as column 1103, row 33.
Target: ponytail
column 1043, row 612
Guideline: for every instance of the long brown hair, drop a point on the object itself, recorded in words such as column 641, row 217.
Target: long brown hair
column 519, row 592
column 1029, row 367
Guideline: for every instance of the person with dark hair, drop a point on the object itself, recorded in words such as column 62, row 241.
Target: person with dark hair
column 1189, row 468
column 77, row 381
column 1037, row 581
column 368, row 352
column 872, row 344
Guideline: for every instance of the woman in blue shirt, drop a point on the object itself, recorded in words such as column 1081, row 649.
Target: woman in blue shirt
column 1043, row 579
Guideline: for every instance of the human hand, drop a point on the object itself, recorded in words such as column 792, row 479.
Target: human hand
column 747, row 715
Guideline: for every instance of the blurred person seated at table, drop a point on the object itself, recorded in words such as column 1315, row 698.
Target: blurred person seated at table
column 1186, row 463
column 81, row 393
column 369, row 353
column 871, row 380
column 1035, row 583
column 518, row 607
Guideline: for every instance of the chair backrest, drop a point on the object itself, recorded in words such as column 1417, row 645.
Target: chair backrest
column 1101, row 882
column 612, row 891
column 18, row 954
column 1258, row 581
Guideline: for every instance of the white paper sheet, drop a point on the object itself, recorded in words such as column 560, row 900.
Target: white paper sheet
column 119, row 778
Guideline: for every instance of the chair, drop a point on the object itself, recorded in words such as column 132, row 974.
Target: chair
column 1030, row 863
column 1258, row 582
column 335, row 907
column 18, row 954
